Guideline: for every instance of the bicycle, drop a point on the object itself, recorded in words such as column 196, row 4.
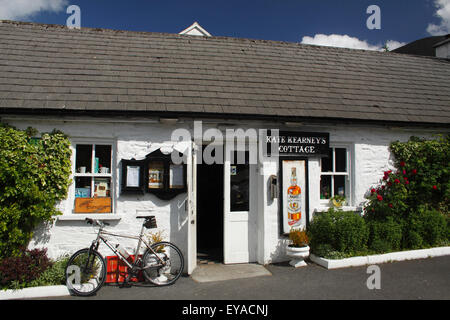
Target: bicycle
column 162, row 263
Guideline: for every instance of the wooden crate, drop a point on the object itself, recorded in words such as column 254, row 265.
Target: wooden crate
column 92, row 205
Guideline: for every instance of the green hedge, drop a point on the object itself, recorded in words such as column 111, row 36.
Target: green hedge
column 344, row 232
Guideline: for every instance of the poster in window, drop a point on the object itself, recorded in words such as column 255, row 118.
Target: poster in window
column 133, row 176
column 294, row 199
column 176, row 176
column 155, row 175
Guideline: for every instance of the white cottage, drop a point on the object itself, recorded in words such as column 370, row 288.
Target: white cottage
column 130, row 100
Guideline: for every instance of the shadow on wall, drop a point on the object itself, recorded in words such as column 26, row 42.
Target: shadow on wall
column 279, row 254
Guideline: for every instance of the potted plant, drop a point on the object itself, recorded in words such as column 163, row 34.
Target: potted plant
column 337, row 201
column 298, row 248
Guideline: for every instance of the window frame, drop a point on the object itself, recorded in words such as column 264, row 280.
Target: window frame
column 348, row 174
column 111, row 174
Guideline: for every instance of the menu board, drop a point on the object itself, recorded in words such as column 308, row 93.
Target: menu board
column 133, row 176
column 176, row 176
column 155, row 175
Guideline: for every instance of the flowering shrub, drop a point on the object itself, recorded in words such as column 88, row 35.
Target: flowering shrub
column 298, row 237
column 414, row 196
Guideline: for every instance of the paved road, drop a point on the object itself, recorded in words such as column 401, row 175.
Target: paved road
column 418, row 279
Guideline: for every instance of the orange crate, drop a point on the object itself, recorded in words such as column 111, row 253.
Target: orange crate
column 117, row 271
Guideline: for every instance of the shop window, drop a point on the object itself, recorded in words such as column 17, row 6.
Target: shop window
column 335, row 176
column 93, row 178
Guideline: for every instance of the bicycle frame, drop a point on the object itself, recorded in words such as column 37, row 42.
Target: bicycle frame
column 101, row 232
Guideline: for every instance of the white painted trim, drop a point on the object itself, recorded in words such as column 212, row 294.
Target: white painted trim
column 344, row 208
column 35, row 292
column 81, row 216
column 197, row 27
column 380, row 258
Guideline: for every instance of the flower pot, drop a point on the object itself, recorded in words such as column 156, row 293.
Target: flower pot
column 298, row 255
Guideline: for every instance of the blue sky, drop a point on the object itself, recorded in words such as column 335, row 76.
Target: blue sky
column 402, row 21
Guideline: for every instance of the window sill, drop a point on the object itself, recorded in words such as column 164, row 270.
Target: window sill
column 344, row 208
column 82, row 216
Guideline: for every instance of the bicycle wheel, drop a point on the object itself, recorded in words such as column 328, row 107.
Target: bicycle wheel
column 85, row 272
column 166, row 272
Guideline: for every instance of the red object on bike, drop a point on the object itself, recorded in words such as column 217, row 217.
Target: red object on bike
column 117, row 271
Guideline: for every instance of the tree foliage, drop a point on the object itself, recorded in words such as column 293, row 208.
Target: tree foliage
column 34, row 177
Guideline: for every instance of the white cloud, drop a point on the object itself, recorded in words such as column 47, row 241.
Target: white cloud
column 392, row 44
column 443, row 13
column 345, row 41
column 22, row 9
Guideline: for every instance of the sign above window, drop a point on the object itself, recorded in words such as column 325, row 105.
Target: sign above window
column 291, row 143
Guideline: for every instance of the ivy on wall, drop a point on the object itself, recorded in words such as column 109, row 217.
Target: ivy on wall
column 34, row 177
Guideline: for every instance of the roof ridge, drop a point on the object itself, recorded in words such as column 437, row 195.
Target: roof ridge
column 176, row 35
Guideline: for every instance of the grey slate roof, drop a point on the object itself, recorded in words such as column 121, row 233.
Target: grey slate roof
column 48, row 67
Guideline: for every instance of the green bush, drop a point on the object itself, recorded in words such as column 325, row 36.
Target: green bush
column 385, row 235
column 345, row 232
column 55, row 275
column 34, row 177
column 426, row 227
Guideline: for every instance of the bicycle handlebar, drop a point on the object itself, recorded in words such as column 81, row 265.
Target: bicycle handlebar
column 96, row 222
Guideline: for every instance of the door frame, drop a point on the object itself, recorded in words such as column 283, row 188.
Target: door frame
column 191, row 208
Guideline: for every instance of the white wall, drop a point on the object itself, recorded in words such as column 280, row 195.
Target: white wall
column 370, row 157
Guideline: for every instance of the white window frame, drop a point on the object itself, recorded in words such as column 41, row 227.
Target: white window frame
column 348, row 174
column 70, row 202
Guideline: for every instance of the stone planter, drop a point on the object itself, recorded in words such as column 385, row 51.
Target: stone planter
column 298, row 255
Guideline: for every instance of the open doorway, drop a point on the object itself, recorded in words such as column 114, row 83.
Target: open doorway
column 210, row 213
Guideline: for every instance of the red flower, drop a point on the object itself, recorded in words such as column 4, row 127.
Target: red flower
column 435, row 187
column 404, row 171
column 380, row 198
column 390, row 205
column 389, row 183
column 397, row 181
column 373, row 190
column 414, row 171
column 406, row 182
column 402, row 163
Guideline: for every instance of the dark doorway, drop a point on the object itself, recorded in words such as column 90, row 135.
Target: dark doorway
column 210, row 213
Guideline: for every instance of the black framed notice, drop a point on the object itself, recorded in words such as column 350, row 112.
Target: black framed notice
column 297, row 144
column 132, row 176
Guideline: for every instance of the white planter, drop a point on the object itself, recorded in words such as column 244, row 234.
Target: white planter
column 298, row 255
column 381, row 258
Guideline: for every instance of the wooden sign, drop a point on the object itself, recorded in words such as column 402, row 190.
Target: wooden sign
column 92, row 205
